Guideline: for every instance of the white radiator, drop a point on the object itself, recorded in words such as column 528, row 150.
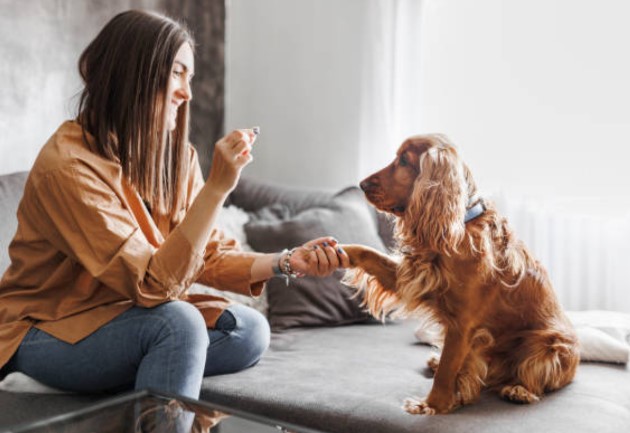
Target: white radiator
column 584, row 246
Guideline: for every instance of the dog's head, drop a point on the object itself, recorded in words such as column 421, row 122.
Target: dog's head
column 428, row 188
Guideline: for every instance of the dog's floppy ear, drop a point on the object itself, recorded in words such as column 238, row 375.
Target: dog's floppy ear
column 438, row 203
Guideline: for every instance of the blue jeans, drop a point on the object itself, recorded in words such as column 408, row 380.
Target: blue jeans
column 167, row 348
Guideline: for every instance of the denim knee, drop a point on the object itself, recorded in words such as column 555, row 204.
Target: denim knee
column 176, row 355
column 252, row 329
column 238, row 342
column 185, row 324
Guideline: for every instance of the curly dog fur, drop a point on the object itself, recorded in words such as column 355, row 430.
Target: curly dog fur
column 503, row 326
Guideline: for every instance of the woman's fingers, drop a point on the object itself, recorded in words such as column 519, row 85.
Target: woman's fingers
column 331, row 255
column 319, row 241
column 237, row 146
column 322, row 256
column 242, row 148
column 322, row 261
column 241, row 140
column 344, row 259
column 231, row 154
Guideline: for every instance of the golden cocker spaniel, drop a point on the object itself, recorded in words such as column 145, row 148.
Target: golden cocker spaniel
column 462, row 264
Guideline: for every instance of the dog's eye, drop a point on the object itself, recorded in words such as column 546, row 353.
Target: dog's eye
column 403, row 161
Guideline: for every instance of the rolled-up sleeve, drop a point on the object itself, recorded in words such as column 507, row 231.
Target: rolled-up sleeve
column 229, row 268
column 86, row 219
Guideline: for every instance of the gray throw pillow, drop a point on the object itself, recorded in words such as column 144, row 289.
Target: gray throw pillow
column 314, row 301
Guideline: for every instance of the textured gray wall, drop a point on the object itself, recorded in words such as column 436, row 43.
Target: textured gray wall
column 206, row 19
column 40, row 42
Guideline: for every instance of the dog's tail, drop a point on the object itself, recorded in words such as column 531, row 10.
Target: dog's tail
column 379, row 301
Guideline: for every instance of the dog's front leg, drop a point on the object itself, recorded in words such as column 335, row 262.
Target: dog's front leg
column 443, row 396
column 374, row 263
column 374, row 275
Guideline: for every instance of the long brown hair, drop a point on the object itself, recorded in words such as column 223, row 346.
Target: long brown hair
column 126, row 70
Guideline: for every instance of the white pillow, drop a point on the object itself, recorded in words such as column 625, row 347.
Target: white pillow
column 231, row 220
column 19, row 382
column 604, row 336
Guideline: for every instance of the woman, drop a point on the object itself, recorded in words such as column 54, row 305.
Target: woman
column 116, row 223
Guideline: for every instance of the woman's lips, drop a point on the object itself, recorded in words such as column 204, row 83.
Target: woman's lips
column 174, row 107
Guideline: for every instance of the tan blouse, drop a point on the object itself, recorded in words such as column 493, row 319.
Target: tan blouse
column 86, row 249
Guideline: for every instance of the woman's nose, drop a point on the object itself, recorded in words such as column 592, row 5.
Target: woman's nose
column 184, row 90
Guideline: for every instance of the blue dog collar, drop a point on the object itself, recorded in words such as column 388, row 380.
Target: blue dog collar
column 477, row 210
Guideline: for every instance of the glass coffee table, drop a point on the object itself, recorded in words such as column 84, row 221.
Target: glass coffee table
column 151, row 412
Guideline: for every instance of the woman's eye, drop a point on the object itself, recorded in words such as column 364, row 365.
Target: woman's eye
column 178, row 73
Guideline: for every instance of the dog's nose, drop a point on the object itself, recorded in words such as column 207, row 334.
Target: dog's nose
column 367, row 184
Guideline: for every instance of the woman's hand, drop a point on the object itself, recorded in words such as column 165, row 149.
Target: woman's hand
column 319, row 257
column 231, row 154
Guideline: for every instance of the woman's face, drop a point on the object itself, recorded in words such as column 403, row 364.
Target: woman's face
column 179, row 91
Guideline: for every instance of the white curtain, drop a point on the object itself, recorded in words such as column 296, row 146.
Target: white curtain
column 539, row 109
column 587, row 253
column 334, row 85
column 337, row 85
column 390, row 98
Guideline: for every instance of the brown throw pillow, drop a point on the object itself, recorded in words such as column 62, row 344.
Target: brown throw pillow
column 314, row 301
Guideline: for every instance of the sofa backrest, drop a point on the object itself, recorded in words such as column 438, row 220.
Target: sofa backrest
column 251, row 195
column 11, row 189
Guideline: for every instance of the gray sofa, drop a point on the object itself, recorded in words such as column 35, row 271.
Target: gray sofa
column 331, row 368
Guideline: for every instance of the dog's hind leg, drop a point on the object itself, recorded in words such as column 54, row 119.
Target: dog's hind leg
column 518, row 394
column 546, row 361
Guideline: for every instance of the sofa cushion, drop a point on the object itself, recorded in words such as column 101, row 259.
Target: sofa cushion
column 313, row 301
column 11, row 189
column 354, row 379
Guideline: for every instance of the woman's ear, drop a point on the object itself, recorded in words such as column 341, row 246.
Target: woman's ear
column 438, row 203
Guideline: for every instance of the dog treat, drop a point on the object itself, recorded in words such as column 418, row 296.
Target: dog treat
column 256, row 131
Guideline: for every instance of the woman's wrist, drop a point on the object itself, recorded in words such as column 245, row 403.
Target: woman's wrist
column 282, row 266
column 277, row 263
column 216, row 190
column 284, row 263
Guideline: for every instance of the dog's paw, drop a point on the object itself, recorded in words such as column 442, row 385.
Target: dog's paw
column 417, row 406
column 518, row 394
